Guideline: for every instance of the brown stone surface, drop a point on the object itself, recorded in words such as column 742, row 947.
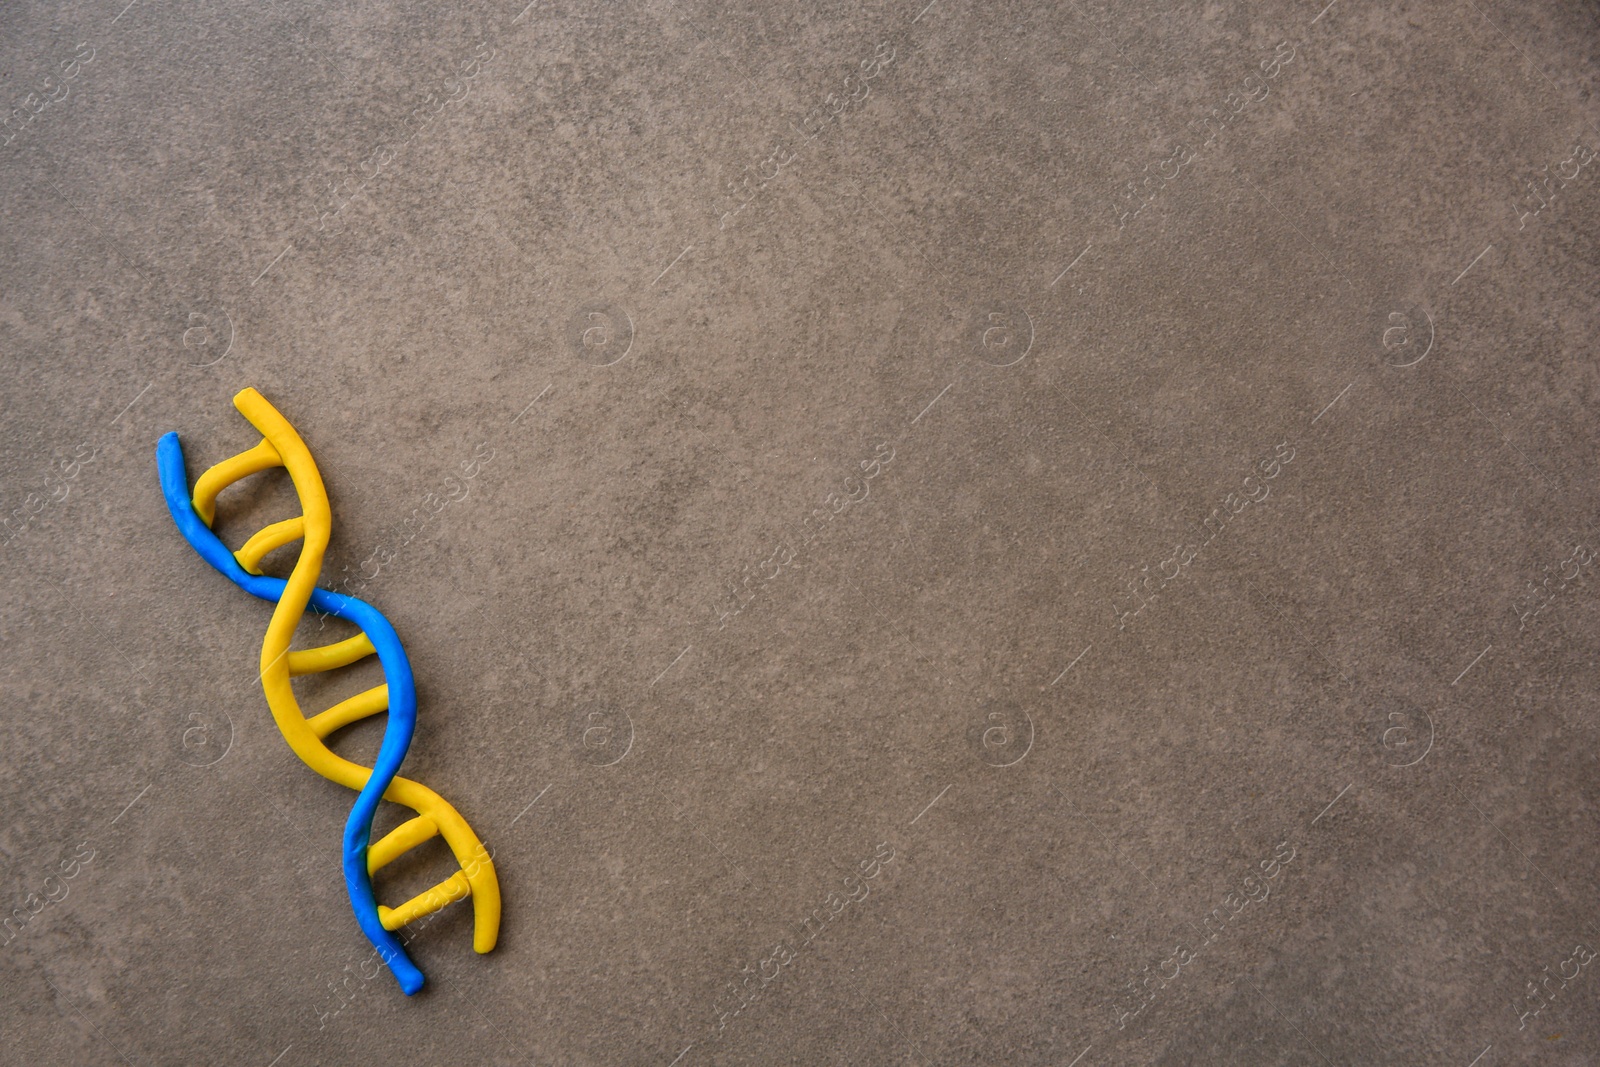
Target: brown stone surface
column 1133, row 471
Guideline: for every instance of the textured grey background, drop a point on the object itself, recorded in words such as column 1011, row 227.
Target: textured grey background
column 622, row 251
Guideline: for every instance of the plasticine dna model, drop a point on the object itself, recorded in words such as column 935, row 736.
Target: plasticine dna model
column 281, row 446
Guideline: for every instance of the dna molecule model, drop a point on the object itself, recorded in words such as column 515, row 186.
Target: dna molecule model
column 281, row 446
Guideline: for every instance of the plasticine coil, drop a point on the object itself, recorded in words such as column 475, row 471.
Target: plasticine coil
column 194, row 513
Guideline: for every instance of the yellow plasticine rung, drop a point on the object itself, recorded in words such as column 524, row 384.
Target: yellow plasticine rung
column 268, row 538
column 352, row 710
column 327, row 657
column 397, row 842
column 206, row 487
column 448, row 891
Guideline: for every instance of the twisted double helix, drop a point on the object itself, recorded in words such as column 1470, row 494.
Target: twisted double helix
column 281, row 446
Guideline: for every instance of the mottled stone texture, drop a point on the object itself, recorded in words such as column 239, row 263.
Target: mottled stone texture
column 1010, row 532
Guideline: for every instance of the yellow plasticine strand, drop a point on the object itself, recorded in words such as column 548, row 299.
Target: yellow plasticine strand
column 282, row 446
column 206, row 487
column 446, row 892
column 296, row 458
column 342, row 714
column 328, row 657
column 266, row 539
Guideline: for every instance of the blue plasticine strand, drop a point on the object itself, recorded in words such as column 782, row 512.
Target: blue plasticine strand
column 396, row 671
